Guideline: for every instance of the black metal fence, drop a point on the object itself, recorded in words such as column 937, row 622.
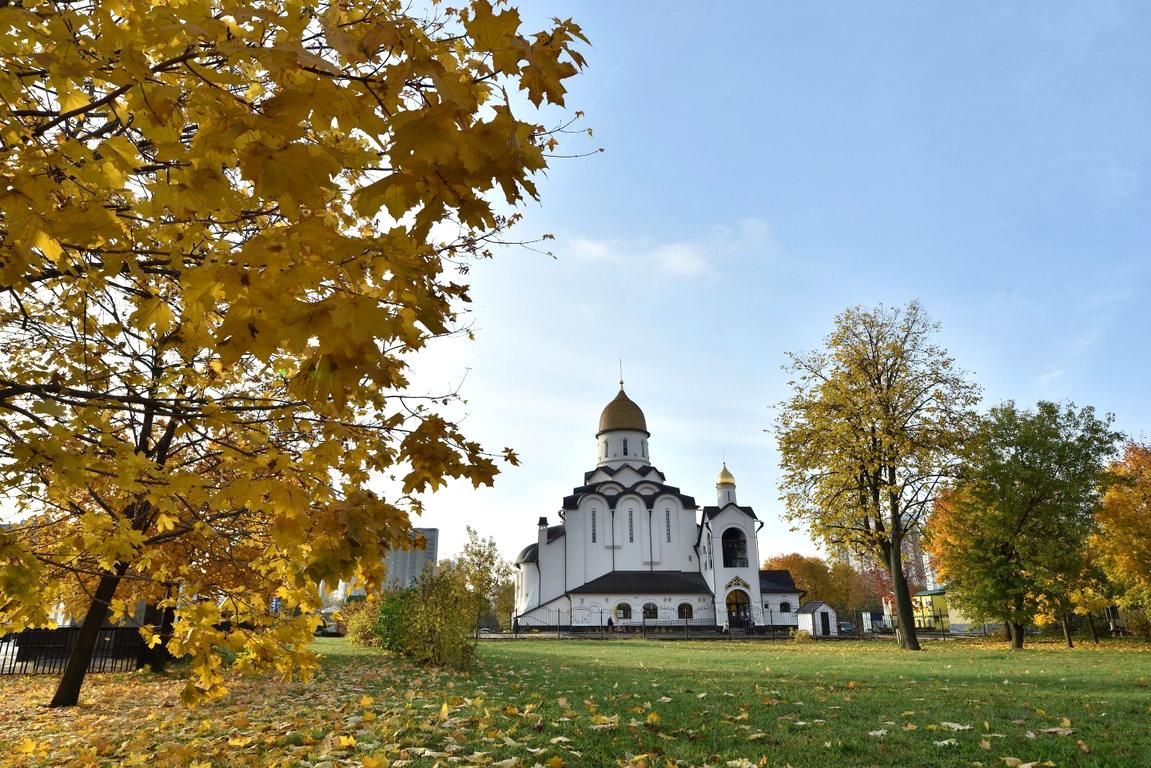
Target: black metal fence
column 46, row 651
column 648, row 618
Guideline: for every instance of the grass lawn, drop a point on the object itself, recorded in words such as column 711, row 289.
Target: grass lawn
column 622, row 702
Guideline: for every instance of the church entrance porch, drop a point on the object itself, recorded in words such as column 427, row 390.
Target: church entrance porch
column 738, row 609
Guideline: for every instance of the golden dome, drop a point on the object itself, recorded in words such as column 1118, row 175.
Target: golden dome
column 622, row 413
column 725, row 477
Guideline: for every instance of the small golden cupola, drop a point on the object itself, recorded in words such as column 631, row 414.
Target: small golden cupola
column 725, row 487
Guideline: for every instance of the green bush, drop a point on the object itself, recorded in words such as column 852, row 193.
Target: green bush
column 440, row 619
column 392, row 619
column 359, row 621
column 430, row 623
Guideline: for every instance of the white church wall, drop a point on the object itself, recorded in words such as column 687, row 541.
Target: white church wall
column 622, row 445
column 551, row 565
column 594, row 610
column 773, row 604
column 630, row 517
column 528, row 584
column 725, row 575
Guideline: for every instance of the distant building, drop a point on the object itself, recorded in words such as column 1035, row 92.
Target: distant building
column 405, row 566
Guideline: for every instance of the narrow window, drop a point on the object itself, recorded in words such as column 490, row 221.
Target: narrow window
column 593, row 517
column 625, row 446
column 667, row 523
column 630, row 526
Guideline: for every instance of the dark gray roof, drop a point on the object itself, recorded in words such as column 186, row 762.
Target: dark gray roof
column 572, row 501
column 710, row 512
column 611, row 471
column 811, row 606
column 531, row 553
column 776, row 581
column 649, row 582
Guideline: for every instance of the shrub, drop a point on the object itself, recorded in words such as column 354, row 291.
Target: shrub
column 359, row 620
column 392, row 618
column 800, row 635
column 437, row 627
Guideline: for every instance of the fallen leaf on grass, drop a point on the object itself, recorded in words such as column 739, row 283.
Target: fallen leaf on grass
column 881, row 732
column 1059, row 731
column 945, row 743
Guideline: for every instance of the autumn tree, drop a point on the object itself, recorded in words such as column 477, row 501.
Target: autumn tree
column 839, row 584
column 225, row 230
column 870, row 433
column 484, row 570
column 1123, row 536
column 1010, row 539
column 809, row 573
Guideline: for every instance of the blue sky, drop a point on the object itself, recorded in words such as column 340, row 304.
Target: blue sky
column 768, row 164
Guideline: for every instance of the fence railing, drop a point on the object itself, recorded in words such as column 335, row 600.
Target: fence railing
column 650, row 618
column 46, row 651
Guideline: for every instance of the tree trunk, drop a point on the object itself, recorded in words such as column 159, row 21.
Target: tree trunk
column 68, row 690
column 1007, row 630
column 1016, row 635
column 1091, row 626
column 159, row 656
column 1067, row 630
column 907, row 638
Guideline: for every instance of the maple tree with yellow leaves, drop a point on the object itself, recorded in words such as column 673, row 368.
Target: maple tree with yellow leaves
column 1123, row 536
column 869, row 435
column 224, row 229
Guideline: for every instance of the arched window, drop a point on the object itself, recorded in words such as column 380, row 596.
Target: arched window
column 623, row 611
column 685, row 611
column 734, row 549
column 650, row 611
column 785, row 607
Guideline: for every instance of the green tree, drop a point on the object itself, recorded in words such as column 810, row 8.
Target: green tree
column 225, row 230
column 484, row 570
column 1011, row 539
column 870, row 433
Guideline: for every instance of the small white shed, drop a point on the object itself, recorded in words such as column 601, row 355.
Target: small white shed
column 818, row 618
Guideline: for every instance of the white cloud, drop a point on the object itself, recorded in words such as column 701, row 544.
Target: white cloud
column 706, row 255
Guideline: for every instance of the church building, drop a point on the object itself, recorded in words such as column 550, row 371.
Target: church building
column 630, row 549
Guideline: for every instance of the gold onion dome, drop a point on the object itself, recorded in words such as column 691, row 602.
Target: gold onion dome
column 622, row 413
column 725, row 477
